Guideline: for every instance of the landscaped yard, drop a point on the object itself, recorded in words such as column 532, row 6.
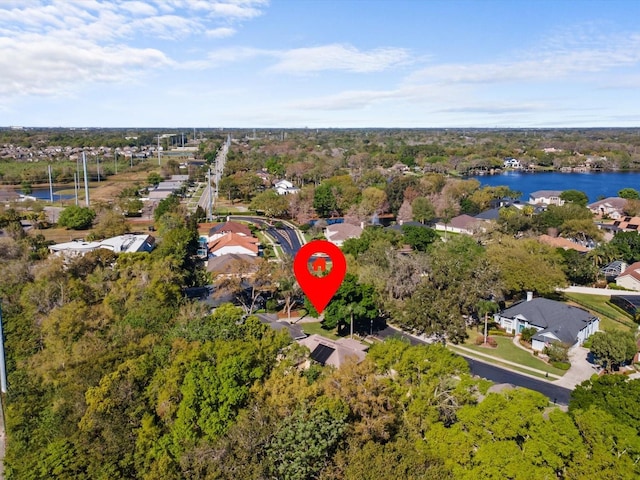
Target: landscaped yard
column 506, row 350
column 316, row 327
column 611, row 318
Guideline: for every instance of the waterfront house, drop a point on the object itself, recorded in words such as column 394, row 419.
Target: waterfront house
column 611, row 207
column 554, row 321
column 546, row 197
column 465, row 224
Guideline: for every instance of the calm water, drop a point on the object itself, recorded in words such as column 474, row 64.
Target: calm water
column 43, row 194
column 594, row 185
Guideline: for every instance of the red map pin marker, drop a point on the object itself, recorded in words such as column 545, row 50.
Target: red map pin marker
column 319, row 290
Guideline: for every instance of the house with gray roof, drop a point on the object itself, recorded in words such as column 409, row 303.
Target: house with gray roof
column 546, row 197
column 554, row 321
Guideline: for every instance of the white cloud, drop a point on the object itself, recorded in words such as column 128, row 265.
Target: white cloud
column 222, row 32
column 44, row 67
column 50, row 47
column 555, row 61
column 338, row 57
column 139, row 8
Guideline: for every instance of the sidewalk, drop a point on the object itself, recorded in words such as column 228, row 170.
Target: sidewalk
column 494, row 359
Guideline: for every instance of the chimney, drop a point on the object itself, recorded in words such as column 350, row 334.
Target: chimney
column 529, row 296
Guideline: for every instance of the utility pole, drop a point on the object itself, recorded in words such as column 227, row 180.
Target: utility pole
column 86, row 179
column 75, row 186
column 98, row 168
column 3, row 366
column 158, row 150
column 50, row 185
column 210, row 213
column 115, row 160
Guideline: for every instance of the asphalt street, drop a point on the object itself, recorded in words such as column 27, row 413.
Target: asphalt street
column 285, row 236
column 556, row 394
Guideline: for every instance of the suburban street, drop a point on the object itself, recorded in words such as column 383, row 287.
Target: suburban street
column 496, row 374
column 286, row 236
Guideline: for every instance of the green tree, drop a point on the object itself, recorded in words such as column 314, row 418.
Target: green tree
column 578, row 268
column 169, row 204
column 272, row 204
column 77, row 218
column 458, row 277
column 110, row 224
column 324, row 201
column 575, row 196
column 613, row 348
column 304, row 443
column 423, row 210
column 353, row 303
column 154, row 178
column 629, row 194
column 419, row 237
column 627, row 245
column 527, row 265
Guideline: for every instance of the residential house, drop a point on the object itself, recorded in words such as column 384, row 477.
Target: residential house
column 231, row 263
column 613, row 270
column 564, row 243
column 221, row 229
column 128, row 243
column 546, row 197
column 334, row 353
column 465, row 224
column 630, row 278
column 611, row 207
column 512, row 163
column 271, row 319
column 285, row 187
column 554, row 321
column 339, row 232
column 627, row 224
column 234, row 243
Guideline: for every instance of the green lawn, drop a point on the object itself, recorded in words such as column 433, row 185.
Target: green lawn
column 610, row 317
column 316, row 327
column 506, row 350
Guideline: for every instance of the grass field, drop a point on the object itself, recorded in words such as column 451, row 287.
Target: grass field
column 506, row 350
column 316, row 327
column 610, row 317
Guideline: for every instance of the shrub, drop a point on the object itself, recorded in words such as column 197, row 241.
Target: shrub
column 500, row 333
column 557, row 352
column 561, row 365
column 527, row 334
column 492, row 342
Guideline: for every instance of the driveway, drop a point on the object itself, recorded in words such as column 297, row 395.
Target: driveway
column 581, row 369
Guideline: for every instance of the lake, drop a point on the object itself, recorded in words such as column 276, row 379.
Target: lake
column 594, row 185
column 43, row 194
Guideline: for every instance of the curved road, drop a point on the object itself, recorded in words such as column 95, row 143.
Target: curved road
column 556, row 394
column 286, row 236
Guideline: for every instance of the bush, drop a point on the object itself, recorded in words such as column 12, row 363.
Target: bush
column 527, row 334
column 500, row 333
column 561, row 365
column 557, row 352
column 76, row 218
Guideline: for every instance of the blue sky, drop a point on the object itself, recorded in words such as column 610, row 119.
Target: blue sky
column 320, row 63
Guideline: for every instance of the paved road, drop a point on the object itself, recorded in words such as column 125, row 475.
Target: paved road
column 286, row 236
column 496, row 374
